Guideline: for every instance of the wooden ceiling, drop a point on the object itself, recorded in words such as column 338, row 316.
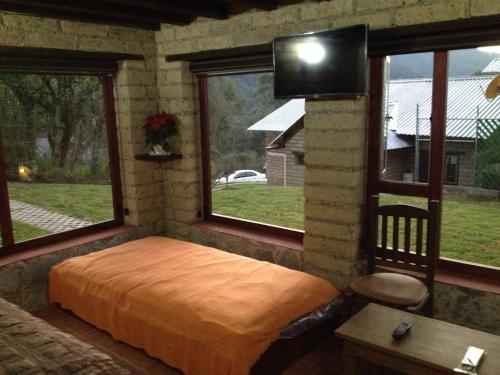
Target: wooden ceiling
column 144, row 14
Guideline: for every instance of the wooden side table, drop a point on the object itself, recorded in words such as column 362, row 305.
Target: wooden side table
column 433, row 347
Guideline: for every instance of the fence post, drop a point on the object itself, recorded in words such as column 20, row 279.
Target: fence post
column 474, row 159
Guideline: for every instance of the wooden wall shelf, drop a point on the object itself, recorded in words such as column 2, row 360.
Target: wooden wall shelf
column 158, row 158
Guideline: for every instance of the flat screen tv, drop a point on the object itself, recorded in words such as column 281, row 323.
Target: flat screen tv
column 323, row 64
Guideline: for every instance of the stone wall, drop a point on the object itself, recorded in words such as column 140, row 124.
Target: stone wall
column 25, row 283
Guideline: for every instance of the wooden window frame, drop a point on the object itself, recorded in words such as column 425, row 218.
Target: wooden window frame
column 9, row 245
column 434, row 189
column 208, row 215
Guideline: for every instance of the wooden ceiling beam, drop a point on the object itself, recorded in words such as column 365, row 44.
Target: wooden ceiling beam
column 195, row 8
column 96, row 11
column 259, row 4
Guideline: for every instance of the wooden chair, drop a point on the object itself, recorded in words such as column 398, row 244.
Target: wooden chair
column 391, row 287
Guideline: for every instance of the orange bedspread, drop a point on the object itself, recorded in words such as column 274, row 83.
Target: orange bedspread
column 199, row 309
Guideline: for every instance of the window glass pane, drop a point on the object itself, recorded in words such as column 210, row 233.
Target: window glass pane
column 253, row 142
column 407, row 109
column 471, row 206
column 55, row 151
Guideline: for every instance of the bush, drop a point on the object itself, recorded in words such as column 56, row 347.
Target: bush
column 46, row 170
column 489, row 177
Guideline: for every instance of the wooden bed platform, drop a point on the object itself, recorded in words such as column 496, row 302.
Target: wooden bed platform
column 322, row 359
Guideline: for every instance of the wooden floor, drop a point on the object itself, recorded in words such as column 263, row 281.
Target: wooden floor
column 324, row 360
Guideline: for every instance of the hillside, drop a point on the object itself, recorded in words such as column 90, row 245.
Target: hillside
column 463, row 63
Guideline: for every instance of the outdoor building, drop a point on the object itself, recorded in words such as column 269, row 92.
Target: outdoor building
column 284, row 143
column 471, row 119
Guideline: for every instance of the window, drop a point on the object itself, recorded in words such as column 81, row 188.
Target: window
column 407, row 108
column 457, row 161
column 249, row 176
column 299, row 158
column 452, row 163
column 59, row 157
column 471, row 208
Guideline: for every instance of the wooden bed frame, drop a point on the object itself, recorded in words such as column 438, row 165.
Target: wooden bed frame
column 285, row 352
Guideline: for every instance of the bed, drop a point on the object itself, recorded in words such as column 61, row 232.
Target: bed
column 199, row 309
column 28, row 345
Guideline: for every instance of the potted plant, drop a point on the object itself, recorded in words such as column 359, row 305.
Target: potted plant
column 158, row 130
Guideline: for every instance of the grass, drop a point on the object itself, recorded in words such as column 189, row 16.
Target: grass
column 470, row 227
column 24, row 231
column 83, row 201
column 277, row 205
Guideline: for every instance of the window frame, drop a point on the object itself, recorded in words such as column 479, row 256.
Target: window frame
column 9, row 246
column 434, row 188
column 207, row 213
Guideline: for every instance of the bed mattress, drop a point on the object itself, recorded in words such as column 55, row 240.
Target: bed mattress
column 199, row 309
column 28, row 345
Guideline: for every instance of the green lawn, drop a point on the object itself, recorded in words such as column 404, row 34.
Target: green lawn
column 24, row 231
column 470, row 231
column 277, row 205
column 470, row 227
column 87, row 202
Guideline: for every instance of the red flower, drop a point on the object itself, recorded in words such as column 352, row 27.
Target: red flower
column 158, row 127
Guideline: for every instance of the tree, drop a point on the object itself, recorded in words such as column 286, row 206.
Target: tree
column 236, row 103
column 65, row 110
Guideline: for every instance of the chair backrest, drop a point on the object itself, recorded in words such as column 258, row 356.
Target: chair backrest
column 403, row 237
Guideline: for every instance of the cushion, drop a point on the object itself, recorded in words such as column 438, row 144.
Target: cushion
column 391, row 288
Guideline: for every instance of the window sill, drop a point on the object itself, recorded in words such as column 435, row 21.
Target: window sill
column 62, row 245
column 467, row 281
column 252, row 234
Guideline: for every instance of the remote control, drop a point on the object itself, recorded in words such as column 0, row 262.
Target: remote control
column 402, row 330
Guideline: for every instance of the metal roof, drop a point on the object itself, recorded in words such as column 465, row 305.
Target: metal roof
column 465, row 96
column 492, row 67
column 396, row 141
column 282, row 118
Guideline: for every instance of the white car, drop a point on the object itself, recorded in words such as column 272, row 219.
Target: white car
column 243, row 176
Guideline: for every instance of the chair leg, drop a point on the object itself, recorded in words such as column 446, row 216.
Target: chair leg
column 429, row 307
column 348, row 305
column 353, row 303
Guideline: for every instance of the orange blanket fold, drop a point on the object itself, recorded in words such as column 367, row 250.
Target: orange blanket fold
column 199, row 309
